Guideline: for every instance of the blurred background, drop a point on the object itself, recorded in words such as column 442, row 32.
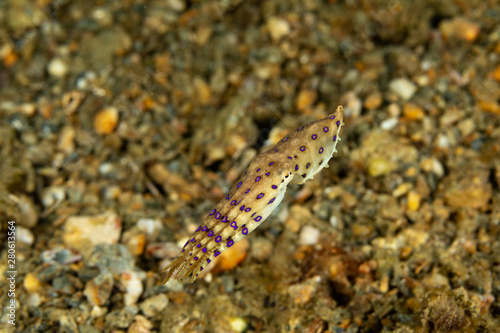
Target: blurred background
column 122, row 123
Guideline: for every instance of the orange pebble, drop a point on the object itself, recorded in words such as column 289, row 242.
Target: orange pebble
column 105, row 121
column 233, row 256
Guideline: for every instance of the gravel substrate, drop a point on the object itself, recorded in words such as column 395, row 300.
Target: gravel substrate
column 122, row 123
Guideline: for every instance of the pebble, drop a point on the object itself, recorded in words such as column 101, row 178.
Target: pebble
column 106, row 120
column 413, row 112
column 24, row 235
column 262, row 248
column 305, row 99
column 27, row 210
column 309, row 235
column 98, row 290
column 52, row 195
column 133, row 287
column 57, row 67
column 389, row 123
column 413, row 201
column 278, row 28
column 373, row 100
column 303, row 292
column 121, row 318
column 114, row 258
column 150, row 227
column 403, row 87
column 32, row 284
column 83, row 233
column 154, row 305
column 232, row 257
column 459, row 28
column 238, row 324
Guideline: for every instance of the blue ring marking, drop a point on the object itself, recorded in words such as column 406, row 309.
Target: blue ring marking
column 216, row 253
column 217, row 216
column 335, row 137
column 233, row 202
column 268, row 173
column 229, row 243
column 210, row 233
column 204, row 250
column 260, row 196
column 332, row 117
column 302, row 148
column 224, row 220
column 199, row 228
column 314, row 137
column 258, row 218
column 212, row 212
column 296, row 167
column 284, row 139
column 239, row 184
column 234, row 225
column 242, row 207
column 218, row 239
column 271, row 163
column 321, row 150
column 248, row 190
column 257, row 179
column 338, row 122
column 244, row 231
column 248, row 209
column 204, row 228
column 199, row 245
column 272, row 200
column 325, row 129
column 258, row 169
column 274, row 187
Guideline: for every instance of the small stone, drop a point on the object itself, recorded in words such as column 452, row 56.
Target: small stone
column 105, row 121
column 303, row 292
column 66, row 142
column 305, row 99
column 262, row 248
column 309, row 235
column 413, row 201
column 52, row 195
column 24, row 235
column 99, row 289
column 121, row 318
column 373, row 101
column 278, row 28
column 459, row 28
column 233, row 256
column 31, row 283
column 431, row 164
column 413, row 112
column 403, row 87
column 489, row 106
column 238, row 324
column 150, row 227
column 202, row 93
column 57, row 67
column 133, row 287
column 389, row 123
column 141, row 324
column 154, row 305
column 83, row 233
column 379, row 166
column 114, row 258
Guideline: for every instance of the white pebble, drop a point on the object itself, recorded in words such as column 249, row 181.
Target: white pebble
column 149, row 226
column 238, row 324
column 308, row 235
column 133, row 287
column 403, row 87
column 24, row 235
column 389, row 123
column 57, row 67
